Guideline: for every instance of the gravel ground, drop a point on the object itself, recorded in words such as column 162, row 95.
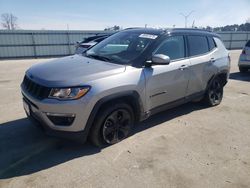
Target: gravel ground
column 188, row 146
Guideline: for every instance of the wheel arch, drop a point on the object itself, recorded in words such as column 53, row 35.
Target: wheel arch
column 130, row 97
column 223, row 75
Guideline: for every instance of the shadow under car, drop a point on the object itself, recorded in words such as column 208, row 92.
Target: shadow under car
column 25, row 149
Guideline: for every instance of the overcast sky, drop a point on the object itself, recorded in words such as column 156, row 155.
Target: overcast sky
column 98, row 14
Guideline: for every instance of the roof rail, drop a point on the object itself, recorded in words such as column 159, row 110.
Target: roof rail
column 192, row 29
column 133, row 28
column 171, row 29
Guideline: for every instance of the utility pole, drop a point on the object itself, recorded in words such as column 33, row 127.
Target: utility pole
column 186, row 17
column 193, row 25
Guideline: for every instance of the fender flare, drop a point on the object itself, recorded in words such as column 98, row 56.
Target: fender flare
column 216, row 75
column 116, row 96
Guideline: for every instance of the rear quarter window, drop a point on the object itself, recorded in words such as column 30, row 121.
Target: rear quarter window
column 211, row 43
column 197, row 45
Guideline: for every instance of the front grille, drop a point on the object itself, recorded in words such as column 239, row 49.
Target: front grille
column 35, row 90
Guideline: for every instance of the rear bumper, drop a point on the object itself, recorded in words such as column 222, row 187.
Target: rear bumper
column 245, row 64
column 243, row 61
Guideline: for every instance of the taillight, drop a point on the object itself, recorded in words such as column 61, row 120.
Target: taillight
column 243, row 52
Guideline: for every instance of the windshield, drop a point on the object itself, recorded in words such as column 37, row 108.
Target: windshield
column 121, row 48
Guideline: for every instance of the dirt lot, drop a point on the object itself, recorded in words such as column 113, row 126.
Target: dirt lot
column 189, row 146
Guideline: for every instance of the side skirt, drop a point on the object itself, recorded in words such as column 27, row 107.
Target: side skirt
column 175, row 103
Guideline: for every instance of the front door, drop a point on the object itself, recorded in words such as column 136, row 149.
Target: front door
column 168, row 83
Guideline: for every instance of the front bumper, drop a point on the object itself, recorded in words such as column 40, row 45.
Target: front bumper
column 39, row 111
column 79, row 137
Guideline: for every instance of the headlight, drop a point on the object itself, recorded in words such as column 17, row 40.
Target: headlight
column 68, row 93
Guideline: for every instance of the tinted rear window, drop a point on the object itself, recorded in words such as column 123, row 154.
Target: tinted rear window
column 197, row 45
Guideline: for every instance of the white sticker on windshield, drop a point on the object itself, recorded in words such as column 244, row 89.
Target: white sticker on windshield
column 148, row 36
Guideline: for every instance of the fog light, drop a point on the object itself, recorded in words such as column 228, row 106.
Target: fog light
column 61, row 119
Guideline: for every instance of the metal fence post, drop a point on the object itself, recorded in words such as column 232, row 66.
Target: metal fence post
column 231, row 40
column 34, row 45
column 68, row 40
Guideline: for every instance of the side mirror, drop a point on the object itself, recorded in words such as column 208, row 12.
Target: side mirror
column 159, row 59
column 77, row 44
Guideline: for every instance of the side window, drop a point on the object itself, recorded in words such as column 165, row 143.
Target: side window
column 197, row 45
column 172, row 47
column 211, row 43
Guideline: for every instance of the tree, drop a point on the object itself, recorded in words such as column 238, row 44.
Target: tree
column 114, row 28
column 208, row 28
column 9, row 21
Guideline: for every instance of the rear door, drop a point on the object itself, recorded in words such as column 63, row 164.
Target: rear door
column 167, row 83
column 201, row 62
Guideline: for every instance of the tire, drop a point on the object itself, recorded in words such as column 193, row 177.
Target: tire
column 214, row 93
column 113, row 123
column 243, row 69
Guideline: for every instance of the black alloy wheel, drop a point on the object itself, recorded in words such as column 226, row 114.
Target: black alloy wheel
column 113, row 123
column 215, row 92
column 117, row 126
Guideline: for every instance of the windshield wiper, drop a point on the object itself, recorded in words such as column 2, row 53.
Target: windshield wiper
column 99, row 57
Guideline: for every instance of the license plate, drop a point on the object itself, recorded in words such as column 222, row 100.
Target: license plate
column 26, row 108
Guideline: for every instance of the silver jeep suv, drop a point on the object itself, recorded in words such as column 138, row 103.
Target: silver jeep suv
column 127, row 77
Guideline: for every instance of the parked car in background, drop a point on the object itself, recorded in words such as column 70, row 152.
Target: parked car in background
column 125, row 79
column 244, row 60
column 82, row 46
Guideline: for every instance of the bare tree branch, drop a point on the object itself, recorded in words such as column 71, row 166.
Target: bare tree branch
column 9, row 21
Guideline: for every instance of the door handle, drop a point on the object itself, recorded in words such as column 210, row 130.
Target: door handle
column 183, row 67
column 212, row 60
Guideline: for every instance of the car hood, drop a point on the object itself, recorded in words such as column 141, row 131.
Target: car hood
column 73, row 70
